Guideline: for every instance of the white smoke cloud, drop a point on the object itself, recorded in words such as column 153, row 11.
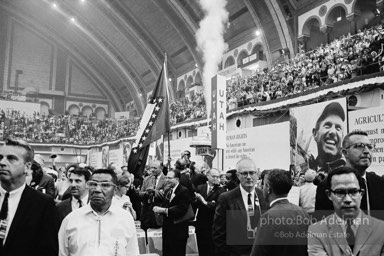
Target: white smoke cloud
column 210, row 41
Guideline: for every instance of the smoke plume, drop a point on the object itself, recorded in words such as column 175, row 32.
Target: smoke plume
column 210, row 41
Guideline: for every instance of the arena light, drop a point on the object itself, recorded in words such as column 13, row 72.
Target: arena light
column 257, row 32
column 73, row 19
column 54, row 5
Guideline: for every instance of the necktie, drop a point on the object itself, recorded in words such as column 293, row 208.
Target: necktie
column 3, row 218
column 4, row 207
column 251, row 211
column 80, row 203
column 350, row 235
column 169, row 194
column 367, row 196
column 155, row 181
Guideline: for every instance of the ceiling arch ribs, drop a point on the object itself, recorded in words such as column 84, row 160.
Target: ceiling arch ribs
column 272, row 36
column 124, row 16
column 259, row 25
column 185, row 32
column 25, row 18
column 93, row 21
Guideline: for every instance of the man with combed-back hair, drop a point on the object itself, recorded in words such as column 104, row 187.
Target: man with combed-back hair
column 28, row 218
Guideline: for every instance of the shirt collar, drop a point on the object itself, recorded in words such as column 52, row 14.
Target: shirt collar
column 245, row 193
column 88, row 210
column 13, row 192
column 174, row 188
column 276, row 200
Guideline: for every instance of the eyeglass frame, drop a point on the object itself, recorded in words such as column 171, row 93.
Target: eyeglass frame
column 110, row 184
column 250, row 173
column 362, row 144
column 347, row 192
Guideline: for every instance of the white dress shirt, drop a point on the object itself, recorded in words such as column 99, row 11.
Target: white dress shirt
column 75, row 202
column 244, row 195
column 13, row 203
column 84, row 232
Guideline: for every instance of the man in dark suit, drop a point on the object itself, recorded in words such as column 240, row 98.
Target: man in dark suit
column 282, row 229
column 176, row 212
column 78, row 177
column 238, row 210
column 357, row 150
column 207, row 195
column 29, row 220
column 151, row 194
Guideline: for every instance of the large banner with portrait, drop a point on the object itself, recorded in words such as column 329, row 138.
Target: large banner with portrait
column 267, row 145
column 371, row 120
column 317, row 132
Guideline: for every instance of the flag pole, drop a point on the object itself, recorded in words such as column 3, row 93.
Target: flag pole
column 169, row 133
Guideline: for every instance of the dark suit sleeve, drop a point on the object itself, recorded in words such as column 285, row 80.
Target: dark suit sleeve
column 177, row 211
column 50, row 189
column 49, row 229
column 219, row 226
column 323, row 206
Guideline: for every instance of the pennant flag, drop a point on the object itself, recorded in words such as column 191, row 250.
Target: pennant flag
column 154, row 123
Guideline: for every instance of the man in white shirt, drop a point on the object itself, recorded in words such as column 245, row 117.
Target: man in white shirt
column 99, row 228
column 77, row 177
column 28, row 218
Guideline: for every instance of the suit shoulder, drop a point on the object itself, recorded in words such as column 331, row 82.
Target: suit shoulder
column 37, row 195
column 229, row 194
column 201, row 187
column 64, row 203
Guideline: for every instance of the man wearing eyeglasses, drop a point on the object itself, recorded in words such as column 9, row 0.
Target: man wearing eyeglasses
column 207, row 195
column 99, row 228
column 28, row 218
column 238, row 211
column 348, row 231
column 357, row 150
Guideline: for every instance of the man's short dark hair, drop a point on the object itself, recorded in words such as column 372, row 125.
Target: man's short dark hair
column 107, row 171
column 81, row 171
column 28, row 157
column 280, row 181
column 180, row 164
column 333, row 108
column 347, row 137
column 343, row 170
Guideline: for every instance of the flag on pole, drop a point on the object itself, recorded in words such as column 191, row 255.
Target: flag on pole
column 154, row 123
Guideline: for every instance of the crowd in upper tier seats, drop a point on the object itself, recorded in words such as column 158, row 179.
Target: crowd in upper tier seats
column 185, row 109
column 65, row 128
column 344, row 58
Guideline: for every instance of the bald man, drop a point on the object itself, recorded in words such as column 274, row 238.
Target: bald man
column 238, row 210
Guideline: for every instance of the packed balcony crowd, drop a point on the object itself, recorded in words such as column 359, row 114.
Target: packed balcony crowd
column 344, row 58
column 64, row 128
column 185, row 109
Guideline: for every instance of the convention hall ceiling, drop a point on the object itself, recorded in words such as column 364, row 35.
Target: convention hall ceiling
column 124, row 41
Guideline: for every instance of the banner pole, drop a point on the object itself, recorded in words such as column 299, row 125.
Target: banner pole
column 169, row 151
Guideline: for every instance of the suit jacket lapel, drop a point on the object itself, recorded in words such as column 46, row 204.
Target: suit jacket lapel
column 24, row 208
column 363, row 232
column 337, row 234
column 240, row 203
column 204, row 191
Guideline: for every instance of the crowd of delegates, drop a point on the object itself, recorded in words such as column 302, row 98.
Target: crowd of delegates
column 185, row 109
column 65, row 128
column 237, row 212
column 344, row 58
